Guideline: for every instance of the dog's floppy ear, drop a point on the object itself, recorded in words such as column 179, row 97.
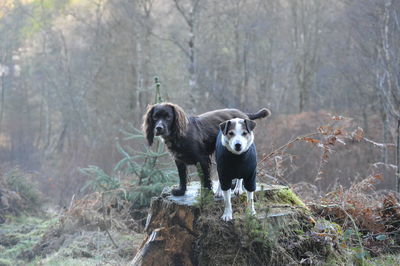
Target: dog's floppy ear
column 181, row 121
column 224, row 126
column 249, row 124
column 148, row 124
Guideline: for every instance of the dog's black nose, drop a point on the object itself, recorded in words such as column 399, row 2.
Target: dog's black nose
column 159, row 129
column 238, row 146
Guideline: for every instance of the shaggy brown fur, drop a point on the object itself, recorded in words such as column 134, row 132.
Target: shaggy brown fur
column 191, row 140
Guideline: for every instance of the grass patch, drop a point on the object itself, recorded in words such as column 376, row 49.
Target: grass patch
column 22, row 237
column 385, row 260
column 6, row 262
column 19, row 235
column 92, row 248
column 56, row 260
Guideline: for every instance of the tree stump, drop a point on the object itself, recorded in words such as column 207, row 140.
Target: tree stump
column 180, row 232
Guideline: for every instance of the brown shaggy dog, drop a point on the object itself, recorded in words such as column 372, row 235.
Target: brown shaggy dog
column 191, row 140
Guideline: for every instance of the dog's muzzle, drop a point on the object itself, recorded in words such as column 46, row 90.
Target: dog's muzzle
column 238, row 147
column 159, row 129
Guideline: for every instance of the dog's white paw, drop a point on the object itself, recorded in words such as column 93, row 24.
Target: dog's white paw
column 227, row 216
column 219, row 194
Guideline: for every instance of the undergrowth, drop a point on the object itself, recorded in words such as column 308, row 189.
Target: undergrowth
column 19, row 236
column 137, row 177
column 369, row 221
column 140, row 174
column 19, row 194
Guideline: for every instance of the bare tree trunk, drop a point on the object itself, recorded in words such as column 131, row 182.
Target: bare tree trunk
column 238, row 62
column 145, row 54
column 190, row 17
column 385, row 136
column 385, row 80
column 61, row 140
column 135, row 96
column 306, row 25
column 302, row 62
column 38, row 141
column 2, row 99
column 245, row 87
column 49, row 131
column 300, row 32
column 398, row 155
column 192, row 63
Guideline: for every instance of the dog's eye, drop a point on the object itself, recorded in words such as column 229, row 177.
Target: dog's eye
column 231, row 133
column 244, row 133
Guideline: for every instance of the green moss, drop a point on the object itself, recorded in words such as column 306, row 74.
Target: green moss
column 328, row 227
column 283, row 195
column 286, row 195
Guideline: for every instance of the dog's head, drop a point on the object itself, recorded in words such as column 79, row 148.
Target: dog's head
column 237, row 134
column 164, row 119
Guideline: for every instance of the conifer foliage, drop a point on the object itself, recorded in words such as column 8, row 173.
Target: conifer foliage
column 139, row 175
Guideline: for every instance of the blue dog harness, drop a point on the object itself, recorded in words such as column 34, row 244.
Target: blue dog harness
column 231, row 166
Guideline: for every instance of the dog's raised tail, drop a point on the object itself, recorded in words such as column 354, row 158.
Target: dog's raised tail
column 260, row 114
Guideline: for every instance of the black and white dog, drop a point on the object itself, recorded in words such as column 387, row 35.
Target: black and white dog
column 236, row 157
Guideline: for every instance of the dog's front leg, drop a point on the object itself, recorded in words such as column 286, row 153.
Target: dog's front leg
column 182, row 170
column 219, row 193
column 250, row 202
column 227, row 216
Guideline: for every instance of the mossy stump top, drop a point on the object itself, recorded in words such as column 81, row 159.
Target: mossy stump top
column 187, row 230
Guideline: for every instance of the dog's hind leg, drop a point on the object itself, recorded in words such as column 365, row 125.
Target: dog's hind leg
column 250, row 202
column 205, row 168
column 227, row 216
column 238, row 188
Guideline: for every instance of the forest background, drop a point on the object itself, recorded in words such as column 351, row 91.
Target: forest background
column 76, row 74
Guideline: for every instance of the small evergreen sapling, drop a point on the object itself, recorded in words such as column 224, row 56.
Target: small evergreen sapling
column 147, row 174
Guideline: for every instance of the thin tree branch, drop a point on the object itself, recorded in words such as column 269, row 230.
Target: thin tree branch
column 288, row 144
